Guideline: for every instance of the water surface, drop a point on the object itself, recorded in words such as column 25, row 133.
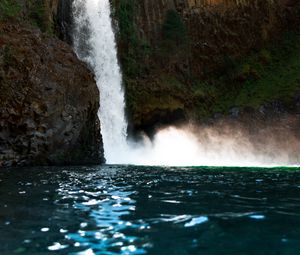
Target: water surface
column 149, row 210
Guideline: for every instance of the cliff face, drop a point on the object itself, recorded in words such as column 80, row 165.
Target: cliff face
column 195, row 58
column 48, row 98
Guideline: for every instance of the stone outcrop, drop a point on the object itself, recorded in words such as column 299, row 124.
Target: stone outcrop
column 214, row 28
column 48, row 101
column 64, row 20
column 182, row 57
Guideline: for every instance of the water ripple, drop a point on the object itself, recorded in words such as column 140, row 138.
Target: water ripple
column 139, row 210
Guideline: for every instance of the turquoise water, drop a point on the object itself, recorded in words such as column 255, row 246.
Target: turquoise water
column 149, row 210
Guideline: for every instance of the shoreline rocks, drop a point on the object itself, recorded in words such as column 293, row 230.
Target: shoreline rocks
column 48, row 102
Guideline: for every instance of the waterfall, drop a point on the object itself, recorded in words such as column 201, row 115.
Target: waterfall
column 94, row 42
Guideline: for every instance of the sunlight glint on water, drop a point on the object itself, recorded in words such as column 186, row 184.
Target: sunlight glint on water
column 110, row 210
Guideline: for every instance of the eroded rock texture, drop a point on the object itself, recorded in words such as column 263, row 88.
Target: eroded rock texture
column 48, row 102
column 191, row 58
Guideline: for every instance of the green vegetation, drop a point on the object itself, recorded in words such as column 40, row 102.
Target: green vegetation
column 38, row 16
column 265, row 76
column 9, row 9
column 137, row 55
column 135, row 48
column 247, row 169
column 6, row 55
column 159, row 75
column 35, row 13
column 174, row 33
column 166, row 93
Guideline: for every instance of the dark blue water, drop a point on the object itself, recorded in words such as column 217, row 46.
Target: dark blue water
column 149, row 210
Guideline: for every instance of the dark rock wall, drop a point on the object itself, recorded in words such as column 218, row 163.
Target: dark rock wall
column 184, row 57
column 48, row 98
column 64, row 20
column 214, row 27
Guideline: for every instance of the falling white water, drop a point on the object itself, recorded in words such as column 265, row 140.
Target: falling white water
column 94, row 42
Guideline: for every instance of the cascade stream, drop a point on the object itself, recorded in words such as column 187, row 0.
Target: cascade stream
column 94, row 43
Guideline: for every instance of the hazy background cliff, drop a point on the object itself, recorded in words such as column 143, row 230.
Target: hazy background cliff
column 199, row 59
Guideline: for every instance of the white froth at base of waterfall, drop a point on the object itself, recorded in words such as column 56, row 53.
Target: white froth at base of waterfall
column 94, row 43
column 182, row 147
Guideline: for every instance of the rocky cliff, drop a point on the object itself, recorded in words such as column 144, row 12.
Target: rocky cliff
column 193, row 59
column 48, row 98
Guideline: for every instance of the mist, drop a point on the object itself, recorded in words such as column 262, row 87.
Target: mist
column 221, row 144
